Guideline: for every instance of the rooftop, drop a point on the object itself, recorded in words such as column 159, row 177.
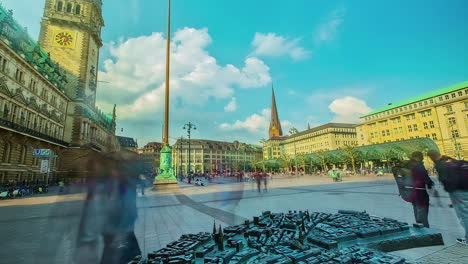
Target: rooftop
column 422, row 97
column 318, row 128
column 17, row 38
column 127, row 142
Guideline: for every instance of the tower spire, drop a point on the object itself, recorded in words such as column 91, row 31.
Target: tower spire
column 275, row 125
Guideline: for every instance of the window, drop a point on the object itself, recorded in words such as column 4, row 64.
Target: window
column 60, row 6
column 410, row 128
column 431, row 124
column 455, row 133
column 425, row 125
column 19, row 76
column 388, row 132
column 460, row 93
column 431, row 101
column 452, row 121
column 415, row 127
column 458, row 147
column 434, row 136
column 78, row 9
column 447, row 97
column 453, row 95
column 441, row 98
column 3, row 63
column 23, row 153
column 449, row 109
column 6, row 152
column 69, row 8
column 466, row 104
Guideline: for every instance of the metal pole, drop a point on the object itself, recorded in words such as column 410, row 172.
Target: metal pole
column 295, row 156
column 189, row 165
column 244, row 158
column 168, row 49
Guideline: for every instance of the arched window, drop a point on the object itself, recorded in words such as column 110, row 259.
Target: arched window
column 69, row 8
column 23, row 153
column 6, row 152
column 78, row 10
column 59, row 6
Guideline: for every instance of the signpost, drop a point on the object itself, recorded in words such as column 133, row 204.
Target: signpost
column 45, row 166
column 46, row 155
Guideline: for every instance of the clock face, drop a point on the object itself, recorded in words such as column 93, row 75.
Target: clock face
column 64, row 39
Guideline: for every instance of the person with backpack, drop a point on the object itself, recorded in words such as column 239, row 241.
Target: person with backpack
column 420, row 183
column 453, row 174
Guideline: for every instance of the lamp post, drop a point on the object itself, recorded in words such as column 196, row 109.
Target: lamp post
column 293, row 131
column 189, row 126
column 180, row 156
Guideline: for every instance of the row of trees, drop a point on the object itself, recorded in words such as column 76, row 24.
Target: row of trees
column 351, row 157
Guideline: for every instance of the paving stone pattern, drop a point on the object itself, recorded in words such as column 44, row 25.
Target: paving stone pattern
column 455, row 254
column 296, row 237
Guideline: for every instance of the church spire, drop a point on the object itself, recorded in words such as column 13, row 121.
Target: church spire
column 275, row 125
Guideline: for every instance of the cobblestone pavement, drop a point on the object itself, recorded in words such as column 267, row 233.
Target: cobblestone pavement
column 44, row 229
column 455, row 254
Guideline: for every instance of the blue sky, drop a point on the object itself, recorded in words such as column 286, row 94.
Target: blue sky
column 328, row 60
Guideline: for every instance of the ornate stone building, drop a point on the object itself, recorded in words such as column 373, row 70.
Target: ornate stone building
column 151, row 154
column 214, row 156
column 48, row 92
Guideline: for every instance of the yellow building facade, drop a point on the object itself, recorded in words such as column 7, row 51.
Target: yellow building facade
column 272, row 148
column 326, row 137
column 214, row 156
column 441, row 115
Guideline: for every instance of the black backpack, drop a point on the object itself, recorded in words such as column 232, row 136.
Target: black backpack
column 404, row 181
column 457, row 178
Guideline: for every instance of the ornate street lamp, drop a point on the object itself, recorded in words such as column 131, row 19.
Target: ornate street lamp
column 189, row 126
column 293, row 131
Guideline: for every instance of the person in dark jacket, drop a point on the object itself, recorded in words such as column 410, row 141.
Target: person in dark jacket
column 420, row 180
column 458, row 192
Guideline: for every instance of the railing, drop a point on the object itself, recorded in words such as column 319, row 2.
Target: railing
column 25, row 130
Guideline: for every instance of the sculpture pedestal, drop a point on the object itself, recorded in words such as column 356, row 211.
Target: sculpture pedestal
column 165, row 172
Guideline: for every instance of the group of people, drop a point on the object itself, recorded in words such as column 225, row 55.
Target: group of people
column 414, row 185
column 110, row 209
column 261, row 177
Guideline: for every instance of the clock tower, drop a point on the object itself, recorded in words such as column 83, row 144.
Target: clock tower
column 71, row 34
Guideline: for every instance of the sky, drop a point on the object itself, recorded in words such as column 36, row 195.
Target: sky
column 328, row 61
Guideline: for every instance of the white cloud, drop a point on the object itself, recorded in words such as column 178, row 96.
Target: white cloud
column 328, row 30
column 271, row 44
column 348, row 109
column 136, row 74
column 257, row 124
column 231, row 106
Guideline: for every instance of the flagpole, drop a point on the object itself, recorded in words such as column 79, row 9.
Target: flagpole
column 168, row 49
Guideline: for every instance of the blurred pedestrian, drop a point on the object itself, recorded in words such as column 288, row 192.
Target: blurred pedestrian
column 265, row 181
column 453, row 174
column 110, row 210
column 420, row 181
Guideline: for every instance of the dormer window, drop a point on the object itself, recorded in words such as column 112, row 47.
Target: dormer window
column 60, row 6
column 78, row 10
column 69, row 8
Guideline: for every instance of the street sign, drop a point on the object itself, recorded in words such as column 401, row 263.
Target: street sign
column 42, row 152
column 44, row 166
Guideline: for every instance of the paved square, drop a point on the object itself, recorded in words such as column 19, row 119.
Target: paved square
column 44, row 229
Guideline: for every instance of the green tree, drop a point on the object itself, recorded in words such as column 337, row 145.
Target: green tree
column 352, row 155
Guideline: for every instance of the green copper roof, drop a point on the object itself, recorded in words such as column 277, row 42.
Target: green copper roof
column 18, row 39
column 421, row 97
